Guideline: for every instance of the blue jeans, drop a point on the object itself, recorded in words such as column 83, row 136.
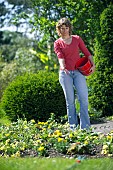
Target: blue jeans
column 69, row 82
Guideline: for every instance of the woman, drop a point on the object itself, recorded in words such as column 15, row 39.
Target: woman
column 67, row 48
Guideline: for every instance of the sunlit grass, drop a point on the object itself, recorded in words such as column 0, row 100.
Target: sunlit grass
column 55, row 164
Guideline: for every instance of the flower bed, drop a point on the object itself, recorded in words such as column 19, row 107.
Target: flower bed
column 50, row 139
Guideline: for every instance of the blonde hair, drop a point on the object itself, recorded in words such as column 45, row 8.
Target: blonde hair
column 66, row 22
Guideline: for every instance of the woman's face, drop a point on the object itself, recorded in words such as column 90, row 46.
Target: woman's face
column 64, row 30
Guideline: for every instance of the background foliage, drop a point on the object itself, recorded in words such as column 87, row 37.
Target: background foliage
column 101, row 83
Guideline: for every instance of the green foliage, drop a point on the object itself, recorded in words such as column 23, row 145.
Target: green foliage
column 84, row 15
column 25, row 61
column 34, row 96
column 10, row 43
column 101, row 82
column 43, row 15
column 8, row 73
column 18, row 54
column 2, row 113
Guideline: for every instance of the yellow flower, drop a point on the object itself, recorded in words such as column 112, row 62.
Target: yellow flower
column 101, row 136
column 95, row 137
column 44, row 129
column 87, row 137
column 38, row 141
column 25, row 122
column 46, row 123
column 55, row 65
column 7, row 134
column 13, row 145
column 46, row 67
column 70, row 135
column 17, row 154
column 32, row 120
column 110, row 155
column 49, row 127
column 86, row 142
column 75, row 133
column 7, row 141
column 32, row 51
column 16, row 143
column 57, row 133
column 22, row 148
column 64, row 140
column 2, row 147
column 60, row 139
column 25, row 127
column 41, row 123
column 105, row 147
column 6, row 156
column 104, row 152
column 41, row 148
column 109, row 137
column 72, row 147
column 49, row 135
column 13, row 156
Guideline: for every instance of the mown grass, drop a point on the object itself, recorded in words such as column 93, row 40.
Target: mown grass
column 55, row 164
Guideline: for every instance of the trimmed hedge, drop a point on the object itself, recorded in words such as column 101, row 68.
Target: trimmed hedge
column 101, row 82
column 34, row 96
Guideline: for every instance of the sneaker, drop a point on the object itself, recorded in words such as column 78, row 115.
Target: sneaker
column 72, row 127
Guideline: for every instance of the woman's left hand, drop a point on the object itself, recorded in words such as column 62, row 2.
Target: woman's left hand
column 93, row 68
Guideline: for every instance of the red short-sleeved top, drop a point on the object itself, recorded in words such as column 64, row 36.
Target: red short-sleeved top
column 71, row 52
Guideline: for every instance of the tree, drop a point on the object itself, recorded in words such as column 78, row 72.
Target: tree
column 101, row 83
column 84, row 15
column 41, row 17
column 10, row 9
column 18, row 55
column 3, row 12
column 10, row 42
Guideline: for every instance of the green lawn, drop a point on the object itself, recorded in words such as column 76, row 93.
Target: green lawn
column 55, row 164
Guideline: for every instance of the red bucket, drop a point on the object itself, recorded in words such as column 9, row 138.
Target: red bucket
column 84, row 66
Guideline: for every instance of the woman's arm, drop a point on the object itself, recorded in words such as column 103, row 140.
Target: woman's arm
column 62, row 63
column 92, row 62
column 86, row 52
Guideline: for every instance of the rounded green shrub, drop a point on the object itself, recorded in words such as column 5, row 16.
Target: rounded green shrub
column 34, row 96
